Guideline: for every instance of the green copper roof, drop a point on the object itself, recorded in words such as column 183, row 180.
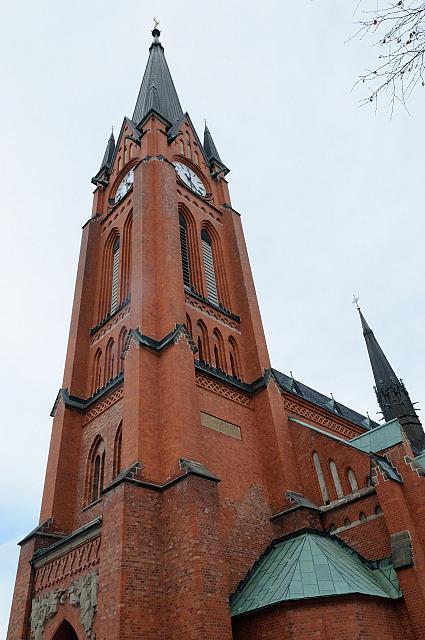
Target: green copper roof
column 380, row 438
column 310, row 566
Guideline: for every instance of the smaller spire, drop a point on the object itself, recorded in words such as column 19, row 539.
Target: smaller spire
column 393, row 397
column 109, row 152
column 209, row 146
column 102, row 176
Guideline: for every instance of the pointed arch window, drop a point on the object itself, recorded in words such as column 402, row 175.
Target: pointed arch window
column 109, row 361
column 352, row 480
column 117, row 451
column 209, row 266
column 336, row 480
column 218, row 348
column 97, row 371
column 187, row 280
column 96, row 470
column 115, row 274
column 234, row 358
column 202, row 342
column 320, row 477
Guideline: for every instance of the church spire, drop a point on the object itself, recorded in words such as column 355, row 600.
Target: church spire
column 109, row 153
column 392, row 395
column 209, row 146
column 101, row 177
column 157, row 90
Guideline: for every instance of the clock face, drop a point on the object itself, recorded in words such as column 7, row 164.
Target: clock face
column 124, row 186
column 190, row 178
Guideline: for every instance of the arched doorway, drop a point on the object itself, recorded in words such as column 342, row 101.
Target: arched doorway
column 65, row 632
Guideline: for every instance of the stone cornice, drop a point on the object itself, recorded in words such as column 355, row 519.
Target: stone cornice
column 80, row 404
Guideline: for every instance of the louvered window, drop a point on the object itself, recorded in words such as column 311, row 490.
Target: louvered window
column 208, row 257
column 185, row 251
column 115, row 274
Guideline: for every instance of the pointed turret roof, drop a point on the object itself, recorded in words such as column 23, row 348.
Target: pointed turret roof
column 209, row 146
column 382, row 370
column 101, row 177
column 109, row 153
column 392, row 395
column 157, row 90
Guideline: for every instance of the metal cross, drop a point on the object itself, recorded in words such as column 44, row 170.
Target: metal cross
column 356, row 300
column 156, row 23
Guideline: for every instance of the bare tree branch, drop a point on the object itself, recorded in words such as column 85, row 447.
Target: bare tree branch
column 398, row 27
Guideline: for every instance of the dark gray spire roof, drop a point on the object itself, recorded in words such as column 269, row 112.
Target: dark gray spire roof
column 157, row 90
column 109, row 153
column 382, row 370
column 209, row 146
column 392, row 395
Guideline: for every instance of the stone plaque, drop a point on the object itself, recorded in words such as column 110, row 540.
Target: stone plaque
column 222, row 426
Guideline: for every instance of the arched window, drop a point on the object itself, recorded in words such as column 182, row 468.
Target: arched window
column 335, row 478
column 181, row 145
column 362, row 515
column 115, row 274
column 121, row 345
column 332, row 528
column 109, row 361
column 209, row 267
column 95, row 472
column 97, row 372
column 219, row 360
column 352, row 480
column 184, row 245
column 188, row 324
column 117, row 451
column 347, row 522
column 202, row 342
column 378, row 509
column 235, row 367
column 320, row 478
column 126, row 259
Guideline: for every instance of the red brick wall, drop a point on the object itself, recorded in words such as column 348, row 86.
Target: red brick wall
column 347, row 618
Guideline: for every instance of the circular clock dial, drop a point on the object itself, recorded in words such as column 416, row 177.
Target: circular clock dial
column 124, row 186
column 190, row 178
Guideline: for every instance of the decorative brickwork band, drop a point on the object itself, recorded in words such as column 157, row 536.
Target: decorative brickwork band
column 222, row 390
column 209, row 311
column 98, row 334
column 82, row 593
column 298, row 408
column 76, row 560
column 107, row 402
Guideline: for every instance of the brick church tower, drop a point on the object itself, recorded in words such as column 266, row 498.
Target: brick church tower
column 191, row 490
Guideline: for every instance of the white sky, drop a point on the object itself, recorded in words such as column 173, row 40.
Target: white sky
column 331, row 195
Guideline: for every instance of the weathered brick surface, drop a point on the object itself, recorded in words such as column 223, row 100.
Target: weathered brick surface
column 351, row 618
column 173, row 550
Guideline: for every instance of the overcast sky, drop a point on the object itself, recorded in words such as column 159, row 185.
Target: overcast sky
column 331, row 195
